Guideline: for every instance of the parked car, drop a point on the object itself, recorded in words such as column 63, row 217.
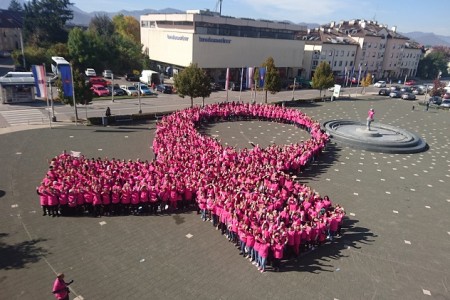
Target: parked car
column 395, row 94
column 418, row 90
column 395, row 88
column 116, row 90
column 131, row 77
column 99, row 81
column 297, row 86
column 384, row 92
column 90, row 72
column 144, row 89
column 405, row 89
column 107, row 74
column 435, row 100
column 380, row 84
column 446, row 96
column 162, row 88
column 445, row 103
column 408, row 96
column 99, row 90
column 215, row 86
column 410, row 82
column 130, row 90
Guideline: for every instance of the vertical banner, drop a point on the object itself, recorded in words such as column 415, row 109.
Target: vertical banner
column 227, row 79
column 39, row 80
column 262, row 76
column 66, row 79
column 250, row 77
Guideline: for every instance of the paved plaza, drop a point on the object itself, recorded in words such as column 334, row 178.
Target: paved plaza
column 396, row 243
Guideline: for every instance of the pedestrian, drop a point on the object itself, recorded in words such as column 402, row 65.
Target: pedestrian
column 108, row 112
column 61, row 288
column 413, row 107
column 427, row 106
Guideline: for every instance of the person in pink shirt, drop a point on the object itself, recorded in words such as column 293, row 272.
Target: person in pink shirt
column 43, row 199
column 61, row 288
column 278, row 251
column 263, row 253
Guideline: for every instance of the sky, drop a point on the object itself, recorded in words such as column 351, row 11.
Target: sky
column 407, row 15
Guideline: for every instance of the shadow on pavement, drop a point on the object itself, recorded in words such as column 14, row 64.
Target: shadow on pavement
column 321, row 259
column 324, row 161
column 2, row 193
column 18, row 256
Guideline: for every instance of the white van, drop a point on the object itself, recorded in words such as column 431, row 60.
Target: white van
column 149, row 77
column 18, row 74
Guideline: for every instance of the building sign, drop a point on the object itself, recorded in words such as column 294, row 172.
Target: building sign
column 178, row 37
column 213, row 40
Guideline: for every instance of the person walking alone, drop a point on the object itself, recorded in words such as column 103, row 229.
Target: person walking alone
column 61, row 288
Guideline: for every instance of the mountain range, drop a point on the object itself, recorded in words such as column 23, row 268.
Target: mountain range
column 81, row 17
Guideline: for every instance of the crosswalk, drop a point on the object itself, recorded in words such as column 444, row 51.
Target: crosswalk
column 25, row 117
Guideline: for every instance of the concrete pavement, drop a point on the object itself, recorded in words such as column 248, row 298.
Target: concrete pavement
column 395, row 246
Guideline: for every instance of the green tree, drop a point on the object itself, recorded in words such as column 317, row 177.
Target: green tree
column 430, row 65
column 84, row 48
column 45, row 20
column 127, row 26
column 323, row 77
column 83, row 93
column 102, row 25
column 272, row 81
column 15, row 5
column 192, row 82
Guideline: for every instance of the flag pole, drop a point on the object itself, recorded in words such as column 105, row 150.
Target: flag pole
column 240, row 89
column 73, row 96
column 48, row 106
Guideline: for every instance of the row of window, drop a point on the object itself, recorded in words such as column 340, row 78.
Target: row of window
column 375, row 45
column 243, row 31
column 335, row 52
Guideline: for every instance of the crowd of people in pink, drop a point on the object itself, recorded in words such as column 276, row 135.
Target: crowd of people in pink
column 250, row 195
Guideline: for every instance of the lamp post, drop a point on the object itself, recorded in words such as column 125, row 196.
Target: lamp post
column 293, row 88
column 139, row 97
column 112, row 87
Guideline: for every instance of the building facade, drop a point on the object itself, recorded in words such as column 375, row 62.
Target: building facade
column 380, row 51
column 216, row 42
column 10, row 30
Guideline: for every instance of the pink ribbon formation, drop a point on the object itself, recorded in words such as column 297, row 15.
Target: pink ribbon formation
column 251, row 189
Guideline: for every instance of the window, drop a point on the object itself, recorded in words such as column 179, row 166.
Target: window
column 342, row 52
column 314, row 63
column 340, row 63
column 351, row 63
column 335, row 63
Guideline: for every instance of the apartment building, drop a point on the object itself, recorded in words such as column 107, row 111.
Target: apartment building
column 380, row 51
column 10, row 30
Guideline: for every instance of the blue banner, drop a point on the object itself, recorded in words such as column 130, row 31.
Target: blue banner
column 66, row 79
column 262, row 76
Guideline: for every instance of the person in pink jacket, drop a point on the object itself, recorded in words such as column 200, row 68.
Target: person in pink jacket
column 61, row 288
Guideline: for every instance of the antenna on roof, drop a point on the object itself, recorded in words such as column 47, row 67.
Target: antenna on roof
column 219, row 7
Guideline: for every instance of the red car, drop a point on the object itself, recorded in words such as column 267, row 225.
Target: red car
column 410, row 82
column 99, row 90
column 99, row 81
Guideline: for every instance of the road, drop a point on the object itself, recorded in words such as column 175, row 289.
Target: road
column 37, row 113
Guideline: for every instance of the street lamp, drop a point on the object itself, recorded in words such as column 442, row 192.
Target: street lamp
column 139, row 97
column 112, row 87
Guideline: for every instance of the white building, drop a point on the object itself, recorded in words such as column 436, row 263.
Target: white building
column 217, row 42
column 326, row 45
